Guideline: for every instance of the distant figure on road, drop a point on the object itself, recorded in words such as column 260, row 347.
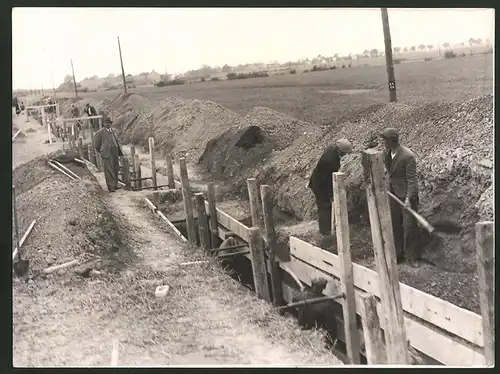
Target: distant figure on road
column 90, row 111
column 107, row 144
column 402, row 171
column 15, row 105
column 321, row 185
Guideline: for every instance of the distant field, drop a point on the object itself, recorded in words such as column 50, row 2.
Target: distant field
column 319, row 97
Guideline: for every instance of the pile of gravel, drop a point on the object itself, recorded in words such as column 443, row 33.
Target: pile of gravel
column 72, row 221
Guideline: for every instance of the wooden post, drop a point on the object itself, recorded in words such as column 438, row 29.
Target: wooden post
column 259, row 264
column 341, row 224
column 274, row 269
column 202, row 222
column 188, row 203
column 374, row 345
column 152, row 161
column 80, row 148
column 212, row 211
column 253, row 198
column 170, row 170
column 137, row 165
column 121, row 62
column 126, row 173
column 388, row 55
column 486, row 272
column 91, row 155
column 58, row 110
column 132, row 158
column 385, row 257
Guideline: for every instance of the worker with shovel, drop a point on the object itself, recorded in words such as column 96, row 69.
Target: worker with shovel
column 402, row 172
column 107, row 144
column 321, row 185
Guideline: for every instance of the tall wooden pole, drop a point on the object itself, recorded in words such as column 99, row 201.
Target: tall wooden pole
column 74, row 80
column 121, row 62
column 388, row 55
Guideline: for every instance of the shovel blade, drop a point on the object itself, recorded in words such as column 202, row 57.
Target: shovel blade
column 447, row 227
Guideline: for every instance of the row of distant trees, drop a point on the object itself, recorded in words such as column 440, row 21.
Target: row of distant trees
column 422, row 47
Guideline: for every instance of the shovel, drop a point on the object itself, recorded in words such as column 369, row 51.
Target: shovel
column 21, row 266
column 447, row 227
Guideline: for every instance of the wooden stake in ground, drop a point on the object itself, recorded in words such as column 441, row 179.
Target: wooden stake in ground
column 126, row 173
column 202, row 221
column 341, row 225
column 212, row 211
column 253, row 198
column 58, row 110
column 170, row 170
column 80, row 148
column 137, row 165
column 132, row 159
column 385, row 257
column 259, row 264
column 388, row 55
column 374, row 345
column 486, row 271
column 91, row 154
column 152, row 161
column 188, row 203
column 274, row 269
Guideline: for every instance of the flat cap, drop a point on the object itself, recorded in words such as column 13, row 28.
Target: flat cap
column 319, row 282
column 390, row 133
column 344, row 145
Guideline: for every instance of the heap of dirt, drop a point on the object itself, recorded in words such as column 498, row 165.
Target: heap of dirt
column 178, row 125
column 452, row 142
column 72, row 222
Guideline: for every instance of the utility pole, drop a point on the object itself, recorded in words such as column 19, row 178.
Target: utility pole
column 52, row 77
column 388, row 55
column 74, row 80
column 121, row 62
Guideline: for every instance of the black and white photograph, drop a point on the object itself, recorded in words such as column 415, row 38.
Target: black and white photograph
column 252, row 187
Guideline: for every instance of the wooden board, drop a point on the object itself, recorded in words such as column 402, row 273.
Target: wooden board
column 447, row 316
column 435, row 344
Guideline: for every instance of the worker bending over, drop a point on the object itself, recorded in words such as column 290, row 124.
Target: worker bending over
column 321, row 185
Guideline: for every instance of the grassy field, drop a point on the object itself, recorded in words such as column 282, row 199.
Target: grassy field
column 320, row 97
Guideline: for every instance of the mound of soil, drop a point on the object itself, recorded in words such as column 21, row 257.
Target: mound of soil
column 178, row 125
column 72, row 222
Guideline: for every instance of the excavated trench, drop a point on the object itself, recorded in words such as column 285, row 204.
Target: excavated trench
column 240, row 268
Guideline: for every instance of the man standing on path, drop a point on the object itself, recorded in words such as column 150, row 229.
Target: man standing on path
column 321, row 185
column 107, row 144
column 402, row 171
column 91, row 112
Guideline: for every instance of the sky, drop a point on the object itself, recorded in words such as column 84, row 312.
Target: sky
column 44, row 40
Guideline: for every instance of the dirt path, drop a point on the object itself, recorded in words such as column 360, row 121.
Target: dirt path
column 207, row 317
column 229, row 338
column 31, row 145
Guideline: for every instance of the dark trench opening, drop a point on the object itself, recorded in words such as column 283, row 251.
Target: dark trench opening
column 240, row 268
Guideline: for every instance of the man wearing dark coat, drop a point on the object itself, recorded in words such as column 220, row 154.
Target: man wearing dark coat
column 402, row 172
column 91, row 112
column 107, row 144
column 321, row 185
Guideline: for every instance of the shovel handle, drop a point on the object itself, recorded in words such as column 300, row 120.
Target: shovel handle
column 421, row 220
